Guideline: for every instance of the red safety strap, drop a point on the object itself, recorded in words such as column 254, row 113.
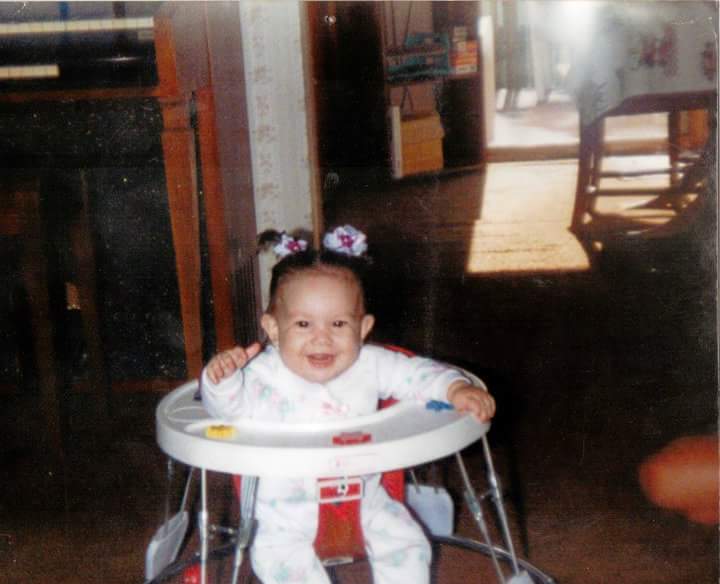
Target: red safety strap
column 339, row 535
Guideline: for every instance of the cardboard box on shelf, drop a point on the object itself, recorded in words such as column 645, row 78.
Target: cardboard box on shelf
column 421, row 157
column 416, row 143
column 421, row 127
column 464, row 59
column 464, row 50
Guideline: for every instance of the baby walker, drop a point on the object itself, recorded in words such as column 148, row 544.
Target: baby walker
column 398, row 437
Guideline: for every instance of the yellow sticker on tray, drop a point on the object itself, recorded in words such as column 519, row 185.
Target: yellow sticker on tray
column 220, row 432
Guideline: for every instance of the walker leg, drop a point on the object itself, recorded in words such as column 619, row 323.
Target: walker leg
column 203, row 525
column 247, row 522
column 499, row 506
column 168, row 486
column 477, row 513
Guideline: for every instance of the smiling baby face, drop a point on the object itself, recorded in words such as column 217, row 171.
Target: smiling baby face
column 318, row 323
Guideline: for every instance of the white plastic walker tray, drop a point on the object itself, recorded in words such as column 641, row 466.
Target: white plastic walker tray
column 401, row 436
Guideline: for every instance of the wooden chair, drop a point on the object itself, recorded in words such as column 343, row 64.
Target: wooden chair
column 666, row 207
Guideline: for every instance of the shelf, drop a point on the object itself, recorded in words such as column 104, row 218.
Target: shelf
column 462, row 76
column 415, row 81
column 416, row 51
column 433, row 79
column 423, row 73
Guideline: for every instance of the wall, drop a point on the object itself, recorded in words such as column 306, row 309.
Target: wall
column 277, row 118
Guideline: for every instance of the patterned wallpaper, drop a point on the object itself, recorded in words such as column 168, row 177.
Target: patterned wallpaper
column 277, row 118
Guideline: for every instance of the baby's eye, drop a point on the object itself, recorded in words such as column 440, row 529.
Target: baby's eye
column 302, row 324
column 339, row 323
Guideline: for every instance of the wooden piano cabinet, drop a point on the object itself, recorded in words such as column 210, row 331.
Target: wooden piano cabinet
column 178, row 142
column 193, row 45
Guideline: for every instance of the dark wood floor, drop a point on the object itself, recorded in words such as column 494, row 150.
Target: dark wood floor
column 594, row 368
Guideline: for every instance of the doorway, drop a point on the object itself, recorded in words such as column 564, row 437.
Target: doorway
column 531, row 57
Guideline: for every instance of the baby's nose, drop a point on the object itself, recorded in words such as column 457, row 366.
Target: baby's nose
column 323, row 335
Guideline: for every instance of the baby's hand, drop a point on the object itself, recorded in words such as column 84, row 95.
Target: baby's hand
column 226, row 363
column 471, row 399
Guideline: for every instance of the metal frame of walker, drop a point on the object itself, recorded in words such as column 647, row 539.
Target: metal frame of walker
column 522, row 571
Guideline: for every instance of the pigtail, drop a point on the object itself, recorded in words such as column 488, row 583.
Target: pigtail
column 267, row 239
column 283, row 245
column 343, row 248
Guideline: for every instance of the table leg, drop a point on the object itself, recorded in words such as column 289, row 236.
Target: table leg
column 216, row 228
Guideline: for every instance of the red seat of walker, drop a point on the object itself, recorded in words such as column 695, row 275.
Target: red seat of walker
column 339, row 536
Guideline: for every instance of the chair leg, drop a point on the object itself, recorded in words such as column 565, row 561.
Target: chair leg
column 84, row 258
column 34, row 275
column 586, row 153
column 598, row 152
column 674, row 120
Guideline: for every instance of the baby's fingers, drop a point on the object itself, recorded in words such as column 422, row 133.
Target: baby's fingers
column 253, row 350
column 482, row 406
column 487, row 408
column 226, row 363
column 240, row 356
column 215, row 370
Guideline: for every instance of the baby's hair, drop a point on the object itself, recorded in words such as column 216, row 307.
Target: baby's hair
column 309, row 259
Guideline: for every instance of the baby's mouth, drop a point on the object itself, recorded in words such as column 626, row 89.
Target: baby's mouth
column 321, row 360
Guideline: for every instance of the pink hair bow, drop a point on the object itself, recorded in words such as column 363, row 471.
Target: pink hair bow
column 289, row 245
column 346, row 240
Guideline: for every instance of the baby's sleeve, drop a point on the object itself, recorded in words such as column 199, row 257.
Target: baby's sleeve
column 224, row 400
column 415, row 378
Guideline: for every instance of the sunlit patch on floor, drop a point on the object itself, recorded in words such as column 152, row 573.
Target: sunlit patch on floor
column 520, row 230
column 525, row 216
column 515, row 248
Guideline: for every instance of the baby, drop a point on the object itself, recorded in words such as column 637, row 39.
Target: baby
column 317, row 367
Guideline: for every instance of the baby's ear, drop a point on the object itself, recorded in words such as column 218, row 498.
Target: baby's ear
column 270, row 326
column 368, row 321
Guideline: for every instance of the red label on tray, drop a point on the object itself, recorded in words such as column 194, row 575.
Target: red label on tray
column 351, row 438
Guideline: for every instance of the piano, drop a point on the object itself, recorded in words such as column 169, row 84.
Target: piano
column 174, row 52
column 77, row 54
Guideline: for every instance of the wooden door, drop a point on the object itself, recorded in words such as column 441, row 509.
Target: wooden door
column 343, row 47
